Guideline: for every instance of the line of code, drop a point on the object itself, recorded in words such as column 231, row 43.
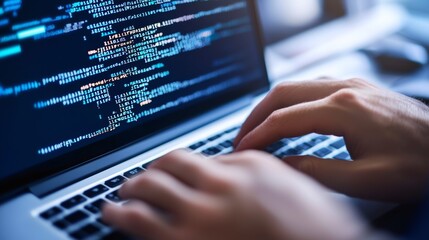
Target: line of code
column 87, row 69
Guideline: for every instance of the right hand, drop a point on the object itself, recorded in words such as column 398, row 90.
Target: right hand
column 386, row 134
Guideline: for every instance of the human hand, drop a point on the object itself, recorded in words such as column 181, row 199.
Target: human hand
column 248, row 195
column 385, row 133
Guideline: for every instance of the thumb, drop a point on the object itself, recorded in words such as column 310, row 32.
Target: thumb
column 338, row 175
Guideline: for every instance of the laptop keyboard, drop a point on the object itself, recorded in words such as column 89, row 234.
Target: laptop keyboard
column 312, row 144
column 79, row 216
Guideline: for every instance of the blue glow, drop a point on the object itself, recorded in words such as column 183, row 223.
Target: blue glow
column 31, row 32
column 1, row 11
column 25, row 25
column 6, row 52
column 4, row 22
column 8, row 38
column 12, row 2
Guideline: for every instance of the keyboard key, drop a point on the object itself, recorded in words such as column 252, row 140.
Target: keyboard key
column 342, row 156
column 303, row 147
column 61, row 224
column 116, row 181
column 114, row 197
column 289, row 152
column 78, row 235
column 76, row 217
column 95, row 191
column 232, row 129
column 212, row 151
column 99, row 203
column 133, row 172
column 197, row 145
column 91, row 228
column 322, row 152
column 318, row 139
column 226, row 144
column 214, row 137
column 95, row 207
column 293, row 139
column 85, row 232
column 286, row 153
column 92, row 209
column 275, row 147
column 338, row 144
column 74, row 201
column 322, row 138
column 52, row 212
column 311, row 143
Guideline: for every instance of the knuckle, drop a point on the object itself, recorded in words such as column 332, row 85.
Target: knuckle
column 254, row 155
column 252, row 159
column 274, row 118
column 280, row 88
column 248, row 154
column 346, row 97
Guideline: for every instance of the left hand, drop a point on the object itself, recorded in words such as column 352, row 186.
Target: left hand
column 248, row 195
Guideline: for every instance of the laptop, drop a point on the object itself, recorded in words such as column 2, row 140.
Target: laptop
column 92, row 92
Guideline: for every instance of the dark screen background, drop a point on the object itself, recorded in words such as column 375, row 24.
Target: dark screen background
column 48, row 115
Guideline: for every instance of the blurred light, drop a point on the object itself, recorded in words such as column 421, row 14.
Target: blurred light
column 292, row 13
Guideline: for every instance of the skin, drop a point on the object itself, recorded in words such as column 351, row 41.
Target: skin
column 248, row 195
column 252, row 195
column 385, row 132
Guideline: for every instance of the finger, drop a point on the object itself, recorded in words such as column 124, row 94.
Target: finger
column 375, row 179
column 285, row 95
column 137, row 219
column 362, row 179
column 161, row 190
column 193, row 170
column 312, row 117
column 243, row 157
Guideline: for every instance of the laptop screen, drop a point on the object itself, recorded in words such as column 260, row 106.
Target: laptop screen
column 82, row 78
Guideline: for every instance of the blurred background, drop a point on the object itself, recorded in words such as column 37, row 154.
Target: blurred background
column 283, row 18
column 384, row 41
